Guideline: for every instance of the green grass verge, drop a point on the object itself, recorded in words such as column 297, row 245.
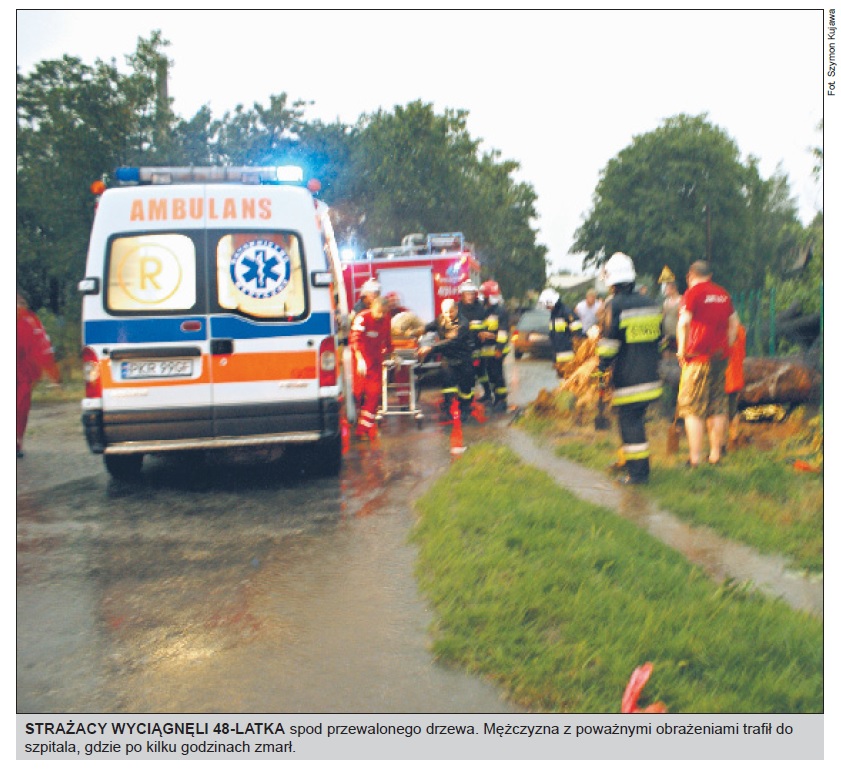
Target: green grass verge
column 756, row 496
column 558, row 601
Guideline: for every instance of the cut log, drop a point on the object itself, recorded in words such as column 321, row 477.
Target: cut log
column 770, row 381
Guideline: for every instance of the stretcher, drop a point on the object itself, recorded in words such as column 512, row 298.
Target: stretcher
column 400, row 383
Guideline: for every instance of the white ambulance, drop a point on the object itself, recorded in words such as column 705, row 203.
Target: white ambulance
column 211, row 318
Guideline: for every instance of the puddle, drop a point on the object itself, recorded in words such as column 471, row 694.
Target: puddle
column 721, row 558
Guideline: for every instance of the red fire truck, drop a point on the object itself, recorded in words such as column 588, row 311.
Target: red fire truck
column 423, row 270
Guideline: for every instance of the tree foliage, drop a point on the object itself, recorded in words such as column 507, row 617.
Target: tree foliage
column 74, row 122
column 412, row 170
column 680, row 193
column 393, row 173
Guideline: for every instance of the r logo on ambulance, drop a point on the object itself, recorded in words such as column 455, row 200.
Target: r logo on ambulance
column 210, row 318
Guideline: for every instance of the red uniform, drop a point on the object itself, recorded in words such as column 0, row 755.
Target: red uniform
column 35, row 357
column 711, row 309
column 370, row 341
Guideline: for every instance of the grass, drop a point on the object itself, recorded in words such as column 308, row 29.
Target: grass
column 559, row 600
column 756, row 496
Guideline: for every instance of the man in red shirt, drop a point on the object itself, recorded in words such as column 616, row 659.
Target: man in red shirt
column 706, row 330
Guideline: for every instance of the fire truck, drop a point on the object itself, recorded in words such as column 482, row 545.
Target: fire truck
column 424, row 270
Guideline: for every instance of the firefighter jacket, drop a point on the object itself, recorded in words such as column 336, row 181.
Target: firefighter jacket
column 454, row 342
column 475, row 314
column 496, row 322
column 631, row 347
column 563, row 324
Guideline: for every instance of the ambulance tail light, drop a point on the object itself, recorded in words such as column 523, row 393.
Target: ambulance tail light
column 328, row 364
column 92, row 373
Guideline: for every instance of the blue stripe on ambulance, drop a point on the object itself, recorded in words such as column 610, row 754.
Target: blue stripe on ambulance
column 169, row 329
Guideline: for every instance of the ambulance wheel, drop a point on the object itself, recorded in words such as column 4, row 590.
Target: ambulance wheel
column 124, row 467
column 331, row 460
column 323, row 459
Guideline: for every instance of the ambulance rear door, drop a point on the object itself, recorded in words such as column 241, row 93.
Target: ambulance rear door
column 268, row 325
column 149, row 327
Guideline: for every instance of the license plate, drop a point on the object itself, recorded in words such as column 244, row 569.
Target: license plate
column 160, row 368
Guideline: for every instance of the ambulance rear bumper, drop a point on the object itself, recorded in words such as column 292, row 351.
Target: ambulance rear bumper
column 162, row 431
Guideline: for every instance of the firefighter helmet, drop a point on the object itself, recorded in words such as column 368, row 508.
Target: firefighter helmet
column 490, row 289
column 619, row 269
column 370, row 287
column 548, row 298
column 467, row 286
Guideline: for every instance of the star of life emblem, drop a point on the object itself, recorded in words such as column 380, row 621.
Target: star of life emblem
column 260, row 269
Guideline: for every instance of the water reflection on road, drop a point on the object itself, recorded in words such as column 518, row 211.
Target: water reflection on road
column 219, row 585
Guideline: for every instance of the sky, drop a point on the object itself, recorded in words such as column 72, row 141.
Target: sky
column 560, row 92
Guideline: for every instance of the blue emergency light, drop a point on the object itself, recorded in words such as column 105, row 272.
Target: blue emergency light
column 173, row 175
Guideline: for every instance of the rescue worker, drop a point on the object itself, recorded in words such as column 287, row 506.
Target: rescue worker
column 370, row 289
column 495, row 344
column 470, row 306
column 35, row 357
column 454, row 345
column 629, row 349
column 370, row 344
column 563, row 325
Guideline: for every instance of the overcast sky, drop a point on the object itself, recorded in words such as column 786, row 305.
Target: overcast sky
column 560, row 92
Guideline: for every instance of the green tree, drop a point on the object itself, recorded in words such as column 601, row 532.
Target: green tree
column 76, row 122
column 412, row 170
column 674, row 195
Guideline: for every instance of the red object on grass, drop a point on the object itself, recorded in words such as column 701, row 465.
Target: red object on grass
column 636, row 684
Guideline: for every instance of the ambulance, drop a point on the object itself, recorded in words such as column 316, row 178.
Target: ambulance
column 212, row 315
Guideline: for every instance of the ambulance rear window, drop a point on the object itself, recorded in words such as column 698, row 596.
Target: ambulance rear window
column 152, row 272
column 261, row 274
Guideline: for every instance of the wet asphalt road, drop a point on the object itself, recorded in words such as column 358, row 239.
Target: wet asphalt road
column 224, row 585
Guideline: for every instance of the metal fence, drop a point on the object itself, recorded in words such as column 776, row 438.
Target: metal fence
column 769, row 328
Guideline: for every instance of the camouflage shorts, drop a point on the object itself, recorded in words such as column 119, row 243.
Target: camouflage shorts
column 702, row 390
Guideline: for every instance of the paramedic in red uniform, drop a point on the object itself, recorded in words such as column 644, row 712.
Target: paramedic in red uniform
column 35, row 357
column 370, row 343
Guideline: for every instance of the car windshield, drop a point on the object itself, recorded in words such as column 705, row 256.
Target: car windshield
column 536, row 319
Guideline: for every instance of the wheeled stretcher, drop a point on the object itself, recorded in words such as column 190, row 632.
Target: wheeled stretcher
column 400, row 392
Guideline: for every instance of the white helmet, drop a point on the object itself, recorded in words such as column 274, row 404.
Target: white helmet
column 370, row 287
column 548, row 298
column 468, row 286
column 619, row 269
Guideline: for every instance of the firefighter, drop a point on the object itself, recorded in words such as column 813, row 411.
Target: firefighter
column 470, row 306
column 563, row 325
column 494, row 344
column 370, row 344
column 629, row 349
column 454, row 344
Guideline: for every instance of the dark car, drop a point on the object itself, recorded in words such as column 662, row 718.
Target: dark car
column 531, row 335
